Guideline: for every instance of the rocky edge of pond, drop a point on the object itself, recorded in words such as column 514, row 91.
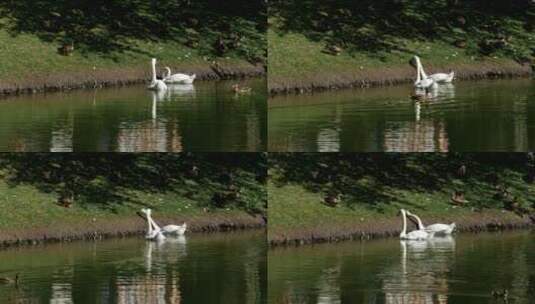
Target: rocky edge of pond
column 98, row 78
column 102, row 228
column 489, row 220
column 396, row 75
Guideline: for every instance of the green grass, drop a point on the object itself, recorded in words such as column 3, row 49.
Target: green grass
column 122, row 37
column 296, row 206
column 26, row 55
column 292, row 55
column 26, row 207
column 297, row 57
column 203, row 189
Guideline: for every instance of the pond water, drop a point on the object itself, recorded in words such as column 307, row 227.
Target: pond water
column 216, row 268
column 204, row 117
column 497, row 115
column 463, row 269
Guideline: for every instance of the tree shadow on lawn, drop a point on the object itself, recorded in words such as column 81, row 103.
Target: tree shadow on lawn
column 373, row 179
column 376, row 26
column 104, row 179
column 107, row 27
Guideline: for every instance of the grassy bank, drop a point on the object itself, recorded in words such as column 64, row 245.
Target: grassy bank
column 65, row 197
column 317, row 45
column 373, row 187
column 30, row 64
column 297, row 65
column 113, row 42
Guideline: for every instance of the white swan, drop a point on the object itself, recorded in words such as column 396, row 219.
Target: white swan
column 422, row 80
column 168, row 229
column 435, row 229
column 437, row 77
column 443, row 77
column 175, row 229
column 413, row 235
column 154, row 232
column 178, row 77
column 156, row 84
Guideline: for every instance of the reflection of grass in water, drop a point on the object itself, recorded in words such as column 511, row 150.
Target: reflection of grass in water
column 363, row 266
column 102, row 262
column 53, row 254
column 108, row 112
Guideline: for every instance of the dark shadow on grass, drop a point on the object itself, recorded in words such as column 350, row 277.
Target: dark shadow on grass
column 215, row 28
column 481, row 26
column 104, row 180
column 370, row 179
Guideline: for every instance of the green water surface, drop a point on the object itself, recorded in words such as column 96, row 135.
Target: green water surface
column 475, row 116
column 217, row 268
column 464, row 269
column 207, row 116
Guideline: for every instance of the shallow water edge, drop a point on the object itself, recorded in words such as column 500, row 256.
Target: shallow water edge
column 96, row 229
column 392, row 76
column 66, row 81
column 491, row 220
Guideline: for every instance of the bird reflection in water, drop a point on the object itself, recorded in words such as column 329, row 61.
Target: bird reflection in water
column 158, row 284
column 422, row 274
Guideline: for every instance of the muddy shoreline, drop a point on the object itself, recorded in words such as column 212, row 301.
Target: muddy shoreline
column 390, row 227
column 120, row 77
column 393, row 76
column 95, row 228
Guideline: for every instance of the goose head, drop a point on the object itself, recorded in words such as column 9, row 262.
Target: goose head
column 415, row 61
column 167, row 72
column 412, row 62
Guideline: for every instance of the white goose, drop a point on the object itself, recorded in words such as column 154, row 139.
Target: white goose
column 413, row 235
column 443, row 77
column 422, row 80
column 178, row 77
column 154, row 232
column 434, row 229
column 156, row 84
column 438, row 77
column 168, row 229
column 175, row 229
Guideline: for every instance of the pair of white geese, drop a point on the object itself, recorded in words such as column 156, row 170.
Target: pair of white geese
column 168, row 78
column 158, row 233
column 423, row 232
column 423, row 81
